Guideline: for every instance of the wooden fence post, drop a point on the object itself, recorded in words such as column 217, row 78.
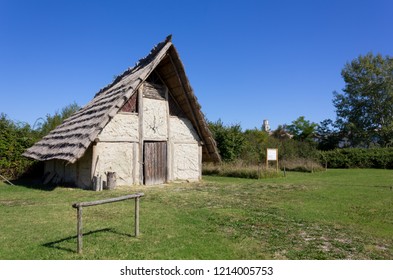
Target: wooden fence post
column 111, row 180
column 79, row 229
column 136, row 216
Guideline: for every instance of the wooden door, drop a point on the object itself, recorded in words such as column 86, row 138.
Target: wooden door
column 155, row 163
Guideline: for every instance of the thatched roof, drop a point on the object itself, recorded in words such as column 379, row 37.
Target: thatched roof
column 70, row 140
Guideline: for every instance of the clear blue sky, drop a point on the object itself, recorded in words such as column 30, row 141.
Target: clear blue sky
column 246, row 60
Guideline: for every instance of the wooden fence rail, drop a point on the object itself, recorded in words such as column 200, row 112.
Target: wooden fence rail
column 5, row 179
column 79, row 206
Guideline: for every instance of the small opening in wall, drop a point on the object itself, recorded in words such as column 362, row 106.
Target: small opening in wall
column 131, row 106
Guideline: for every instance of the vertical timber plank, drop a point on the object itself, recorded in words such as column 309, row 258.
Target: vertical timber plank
column 140, row 114
column 94, row 162
column 134, row 162
column 200, row 161
column 165, row 161
column 169, row 171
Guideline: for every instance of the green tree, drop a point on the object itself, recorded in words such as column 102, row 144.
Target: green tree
column 302, row 129
column 230, row 139
column 255, row 144
column 281, row 133
column 328, row 136
column 365, row 108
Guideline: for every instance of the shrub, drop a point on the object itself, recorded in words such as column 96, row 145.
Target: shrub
column 229, row 139
column 358, row 158
column 15, row 138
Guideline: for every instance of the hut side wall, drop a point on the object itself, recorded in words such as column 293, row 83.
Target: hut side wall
column 78, row 174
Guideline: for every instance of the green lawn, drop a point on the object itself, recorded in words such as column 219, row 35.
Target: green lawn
column 338, row 214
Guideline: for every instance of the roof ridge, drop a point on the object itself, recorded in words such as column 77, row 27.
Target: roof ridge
column 140, row 63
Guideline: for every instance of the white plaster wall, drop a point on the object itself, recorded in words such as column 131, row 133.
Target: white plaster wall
column 155, row 126
column 181, row 130
column 116, row 157
column 186, row 162
column 186, row 150
column 123, row 127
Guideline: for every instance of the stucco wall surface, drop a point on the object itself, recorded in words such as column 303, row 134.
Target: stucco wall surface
column 181, row 130
column 155, row 126
column 186, row 162
column 116, row 157
column 123, row 127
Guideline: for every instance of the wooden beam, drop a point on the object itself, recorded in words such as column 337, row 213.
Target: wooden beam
column 5, row 179
column 79, row 230
column 94, row 162
column 169, row 165
column 140, row 119
column 109, row 200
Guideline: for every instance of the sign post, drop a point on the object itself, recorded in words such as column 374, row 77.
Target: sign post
column 271, row 155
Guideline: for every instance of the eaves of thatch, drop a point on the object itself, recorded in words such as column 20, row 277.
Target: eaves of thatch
column 70, row 140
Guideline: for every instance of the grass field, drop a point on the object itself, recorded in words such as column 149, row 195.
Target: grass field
column 338, row 214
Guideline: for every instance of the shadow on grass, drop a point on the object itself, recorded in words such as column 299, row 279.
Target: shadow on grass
column 33, row 184
column 58, row 243
column 38, row 184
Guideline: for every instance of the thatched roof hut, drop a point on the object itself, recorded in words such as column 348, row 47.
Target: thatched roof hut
column 163, row 68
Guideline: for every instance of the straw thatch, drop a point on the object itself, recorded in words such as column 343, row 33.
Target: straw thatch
column 71, row 139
